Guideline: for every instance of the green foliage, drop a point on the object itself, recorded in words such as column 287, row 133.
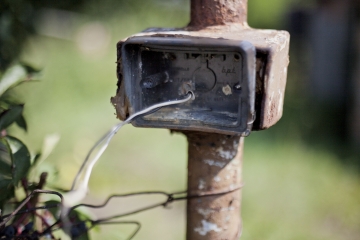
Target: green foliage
column 16, row 163
column 17, row 23
column 10, row 116
column 20, row 159
column 6, row 189
column 14, row 155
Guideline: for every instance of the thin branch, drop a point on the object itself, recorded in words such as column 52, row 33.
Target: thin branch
column 40, row 185
column 27, row 200
column 33, row 209
column 24, row 184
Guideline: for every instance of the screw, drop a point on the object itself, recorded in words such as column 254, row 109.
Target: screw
column 237, row 86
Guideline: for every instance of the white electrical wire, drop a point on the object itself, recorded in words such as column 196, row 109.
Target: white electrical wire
column 74, row 196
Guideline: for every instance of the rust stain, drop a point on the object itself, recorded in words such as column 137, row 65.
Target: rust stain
column 120, row 100
column 218, row 12
column 214, row 213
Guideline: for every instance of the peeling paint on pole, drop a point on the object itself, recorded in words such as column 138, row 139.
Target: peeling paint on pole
column 214, row 167
column 207, row 227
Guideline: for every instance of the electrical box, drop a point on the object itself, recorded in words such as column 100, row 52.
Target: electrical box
column 220, row 73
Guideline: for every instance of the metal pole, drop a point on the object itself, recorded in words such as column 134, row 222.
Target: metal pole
column 215, row 160
column 214, row 167
column 218, row 12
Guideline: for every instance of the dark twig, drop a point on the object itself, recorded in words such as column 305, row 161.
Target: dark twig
column 40, row 185
column 27, row 200
column 24, row 184
column 33, row 209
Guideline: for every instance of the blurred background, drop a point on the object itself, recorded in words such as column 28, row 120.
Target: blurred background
column 302, row 178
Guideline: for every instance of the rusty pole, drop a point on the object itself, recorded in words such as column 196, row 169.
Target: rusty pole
column 214, row 167
column 215, row 160
column 217, row 12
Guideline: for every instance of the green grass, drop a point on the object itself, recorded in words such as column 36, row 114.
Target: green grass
column 295, row 192
column 292, row 191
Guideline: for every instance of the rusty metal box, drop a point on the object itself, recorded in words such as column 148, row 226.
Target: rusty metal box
column 220, row 72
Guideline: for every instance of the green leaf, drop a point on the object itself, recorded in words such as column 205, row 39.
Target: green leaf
column 17, row 74
column 21, row 122
column 11, row 115
column 21, row 159
column 11, row 77
column 5, row 159
column 7, row 190
column 5, row 168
